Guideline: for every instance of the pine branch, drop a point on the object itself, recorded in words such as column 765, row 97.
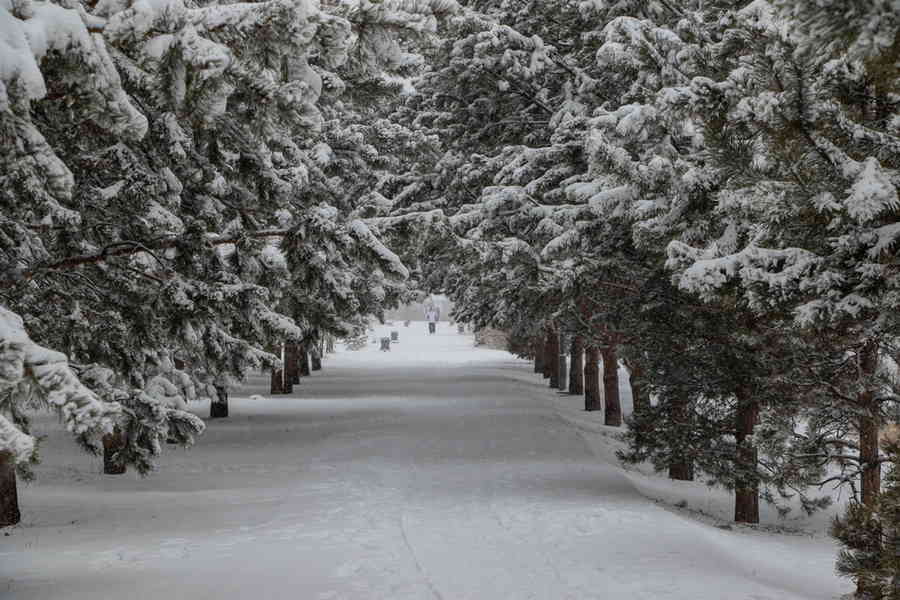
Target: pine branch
column 127, row 249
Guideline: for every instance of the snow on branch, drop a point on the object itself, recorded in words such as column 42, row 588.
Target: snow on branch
column 368, row 239
column 23, row 361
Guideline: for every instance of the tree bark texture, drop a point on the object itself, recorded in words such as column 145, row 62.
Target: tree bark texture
column 591, row 378
column 746, row 490
column 9, row 494
column 680, row 467
column 218, row 409
column 562, row 375
column 639, row 397
column 612, row 410
column 553, row 358
column 539, row 356
column 549, row 355
column 869, row 424
column 576, row 369
column 276, row 383
column 113, row 443
column 304, row 361
column 291, row 368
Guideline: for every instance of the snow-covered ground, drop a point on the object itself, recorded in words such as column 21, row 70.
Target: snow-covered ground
column 434, row 471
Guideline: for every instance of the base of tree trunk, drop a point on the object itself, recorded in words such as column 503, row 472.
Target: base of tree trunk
column 219, row 408
column 681, row 471
column 316, row 362
column 304, row 363
column 113, row 443
column 746, row 505
column 591, row 379
column 9, row 494
column 276, row 382
column 291, row 369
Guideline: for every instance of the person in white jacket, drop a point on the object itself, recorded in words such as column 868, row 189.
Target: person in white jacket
column 432, row 315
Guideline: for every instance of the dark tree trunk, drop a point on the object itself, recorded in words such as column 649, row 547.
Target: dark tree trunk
column 9, row 495
column 562, row 375
column 553, row 358
column 746, row 490
column 576, row 372
column 639, row 398
column 329, row 344
column 591, row 378
column 549, row 356
column 316, row 359
column 539, row 356
column 869, row 424
column 680, row 466
column 112, row 444
column 612, row 410
column 218, row 409
column 304, row 361
column 291, row 368
column 276, row 383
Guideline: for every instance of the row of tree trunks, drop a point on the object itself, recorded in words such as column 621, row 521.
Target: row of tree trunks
column 296, row 364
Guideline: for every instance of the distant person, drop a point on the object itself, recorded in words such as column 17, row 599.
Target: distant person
column 432, row 314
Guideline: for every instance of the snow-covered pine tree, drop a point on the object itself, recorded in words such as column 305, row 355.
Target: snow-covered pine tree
column 803, row 149
column 153, row 156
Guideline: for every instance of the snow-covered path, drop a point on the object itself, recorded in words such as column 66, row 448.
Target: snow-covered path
column 435, row 471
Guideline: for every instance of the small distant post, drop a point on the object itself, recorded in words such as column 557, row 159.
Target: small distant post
column 386, row 344
column 395, row 336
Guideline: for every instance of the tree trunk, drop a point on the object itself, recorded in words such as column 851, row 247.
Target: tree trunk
column 291, row 369
column 539, row 356
column 276, row 383
column 562, row 375
column 576, row 372
column 553, row 358
column 549, row 356
column 680, row 467
column 304, row 361
column 113, row 443
column 639, row 399
column 612, row 410
column 9, row 495
column 316, row 359
column 218, row 409
column 869, row 424
column 591, row 378
column 329, row 344
column 746, row 490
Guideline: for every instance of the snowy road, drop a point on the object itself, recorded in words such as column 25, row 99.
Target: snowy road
column 435, row 471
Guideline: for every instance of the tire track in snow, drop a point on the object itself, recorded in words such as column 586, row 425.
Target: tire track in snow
column 428, row 581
